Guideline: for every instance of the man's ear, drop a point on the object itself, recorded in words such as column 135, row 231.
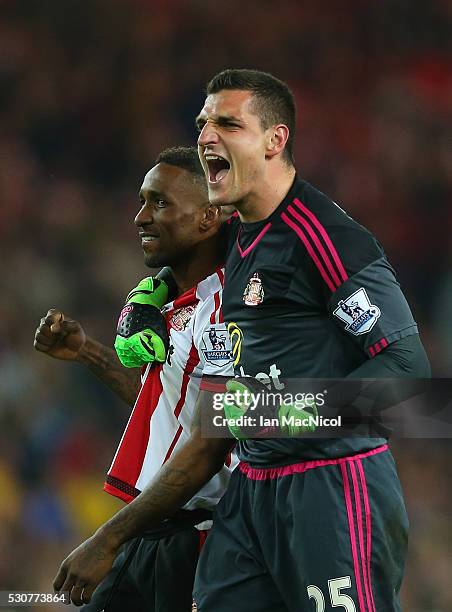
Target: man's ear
column 210, row 218
column 277, row 139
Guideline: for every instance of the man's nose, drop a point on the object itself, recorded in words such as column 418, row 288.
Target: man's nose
column 144, row 216
column 208, row 135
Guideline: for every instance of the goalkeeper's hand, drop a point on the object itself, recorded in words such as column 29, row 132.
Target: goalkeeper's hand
column 248, row 397
column 294, row 420
column 142, row 335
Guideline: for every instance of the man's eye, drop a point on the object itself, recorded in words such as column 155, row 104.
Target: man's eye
column 160, row 203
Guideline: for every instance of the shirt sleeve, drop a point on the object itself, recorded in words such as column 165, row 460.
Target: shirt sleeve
column 367, row 304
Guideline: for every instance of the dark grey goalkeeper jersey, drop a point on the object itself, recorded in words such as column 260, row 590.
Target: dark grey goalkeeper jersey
column 308, row 293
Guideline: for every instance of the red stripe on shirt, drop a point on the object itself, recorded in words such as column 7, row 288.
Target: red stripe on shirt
column 127, row 466
column 173, row 444
column 220, row 275
column 192, row 362
column 216, row 299
column 213, row 387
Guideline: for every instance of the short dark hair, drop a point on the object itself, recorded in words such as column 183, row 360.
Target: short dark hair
column 274, row 102
column 186, row 158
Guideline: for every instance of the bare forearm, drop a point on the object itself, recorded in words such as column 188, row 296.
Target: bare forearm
column 103, row 362
column 178, row 480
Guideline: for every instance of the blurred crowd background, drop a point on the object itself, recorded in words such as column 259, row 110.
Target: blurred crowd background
column 90, row 92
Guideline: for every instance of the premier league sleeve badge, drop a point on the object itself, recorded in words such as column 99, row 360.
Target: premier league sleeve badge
column 357, row 312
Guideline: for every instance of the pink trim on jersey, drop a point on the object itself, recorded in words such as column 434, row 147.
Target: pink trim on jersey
column 368, row 517
column 317, row 243
column 351, row 528
column 234, row 215
column 378, row 347
column 310, row 250
column 255, row 241
column 303, row 466
column 361, row 538
column 325, row 237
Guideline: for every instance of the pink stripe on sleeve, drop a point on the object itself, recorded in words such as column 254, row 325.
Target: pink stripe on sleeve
column 325, row 236
column 310, row 250
column 317, row 243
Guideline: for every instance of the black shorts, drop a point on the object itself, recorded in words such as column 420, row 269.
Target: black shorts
column 313, row 536
column 154, row 572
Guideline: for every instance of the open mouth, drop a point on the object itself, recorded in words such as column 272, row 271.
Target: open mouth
column 218, row 168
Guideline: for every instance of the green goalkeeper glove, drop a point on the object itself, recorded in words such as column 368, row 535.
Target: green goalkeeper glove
column 294, row 420
column 142, row 335
column 248, row 397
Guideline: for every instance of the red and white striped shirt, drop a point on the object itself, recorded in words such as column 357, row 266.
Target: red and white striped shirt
column 161, row 418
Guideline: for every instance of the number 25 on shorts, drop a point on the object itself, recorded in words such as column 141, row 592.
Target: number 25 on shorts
column 338, row 599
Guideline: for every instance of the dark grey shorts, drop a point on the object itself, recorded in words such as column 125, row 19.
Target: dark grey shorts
column 155, row 572
column 313, row 536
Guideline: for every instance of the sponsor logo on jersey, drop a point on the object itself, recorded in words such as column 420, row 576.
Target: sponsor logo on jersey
column 254, row 292
column 357, row 312
column 215, row 348
column 181, row 318
column 236, row 337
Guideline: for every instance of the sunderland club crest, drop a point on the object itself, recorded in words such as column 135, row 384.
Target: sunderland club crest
column 254, row 292
column 181, row 317
column 357, row 312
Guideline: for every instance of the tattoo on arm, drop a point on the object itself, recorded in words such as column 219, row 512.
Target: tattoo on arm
column 103, row 362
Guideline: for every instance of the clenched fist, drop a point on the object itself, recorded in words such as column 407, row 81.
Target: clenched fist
column 59, row 336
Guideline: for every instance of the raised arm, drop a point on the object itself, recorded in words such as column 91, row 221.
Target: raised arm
column 61, row 337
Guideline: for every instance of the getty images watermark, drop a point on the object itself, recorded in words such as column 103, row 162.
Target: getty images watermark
column 335, row 408
column 274, row 410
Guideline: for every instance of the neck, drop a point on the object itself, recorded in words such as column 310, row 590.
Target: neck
column 203, row 260
column 271, row 191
